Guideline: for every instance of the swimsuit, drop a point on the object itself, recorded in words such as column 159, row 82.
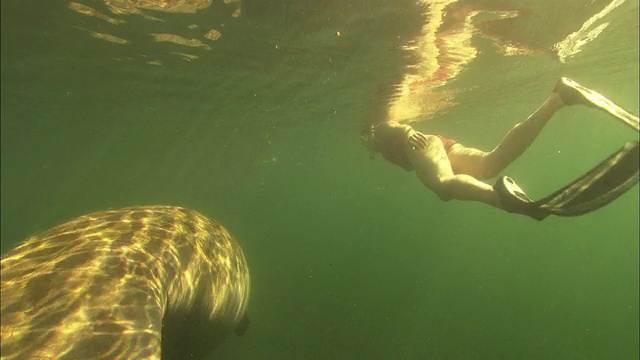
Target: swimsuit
column 448, row 143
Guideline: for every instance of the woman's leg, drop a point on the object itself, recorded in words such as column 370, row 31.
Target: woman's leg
column 485, row 165
column 433, row 168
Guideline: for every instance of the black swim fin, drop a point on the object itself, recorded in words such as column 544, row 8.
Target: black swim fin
column 573, row 93
column 598, row 187
column 514, row 199
column 593, row 190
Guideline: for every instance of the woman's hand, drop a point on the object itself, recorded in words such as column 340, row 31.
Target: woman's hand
column 417, row 140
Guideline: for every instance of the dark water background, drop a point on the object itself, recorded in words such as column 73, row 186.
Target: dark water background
column 350, row 258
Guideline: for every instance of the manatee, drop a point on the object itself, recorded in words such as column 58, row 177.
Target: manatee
column 145, row 282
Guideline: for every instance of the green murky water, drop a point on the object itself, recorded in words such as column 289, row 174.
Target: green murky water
column 350, row 258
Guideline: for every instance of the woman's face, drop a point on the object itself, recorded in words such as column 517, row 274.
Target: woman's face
column 367, row 138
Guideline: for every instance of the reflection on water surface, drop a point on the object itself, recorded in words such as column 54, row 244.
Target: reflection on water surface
column 443, row 48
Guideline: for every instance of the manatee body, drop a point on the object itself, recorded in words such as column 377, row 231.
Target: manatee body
column 103, row 286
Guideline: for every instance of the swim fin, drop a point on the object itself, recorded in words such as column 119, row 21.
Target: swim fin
column 573, row 93
column 593, row 190
column 598, row 187
column 514, row 199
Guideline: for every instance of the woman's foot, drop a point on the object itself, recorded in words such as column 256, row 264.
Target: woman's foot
column 514, row 199
column 573, row 93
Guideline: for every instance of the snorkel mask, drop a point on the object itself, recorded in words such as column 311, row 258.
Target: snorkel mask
column 366, row 137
